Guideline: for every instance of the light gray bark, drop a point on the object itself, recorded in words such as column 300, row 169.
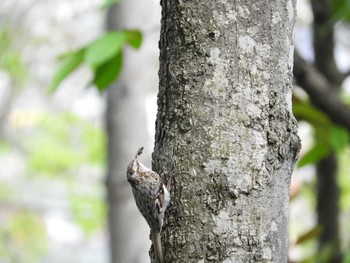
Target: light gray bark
column 225, row 132
column 127, row 122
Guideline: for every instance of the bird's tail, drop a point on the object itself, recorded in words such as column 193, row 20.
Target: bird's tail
column 157, row 245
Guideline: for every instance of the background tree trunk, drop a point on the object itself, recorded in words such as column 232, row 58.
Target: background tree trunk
column 225, row 132
column 326, row 169
column 127, row 122
column 328, row 206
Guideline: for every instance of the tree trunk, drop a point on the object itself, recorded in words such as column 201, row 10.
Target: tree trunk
column 225, row 134
column 326, row 169
column 328, row 206
column 127, row 122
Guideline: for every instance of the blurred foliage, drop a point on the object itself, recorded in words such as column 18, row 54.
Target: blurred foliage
column 109, row 3
column 329, row 137
column 340, row 10
column 95, row 140
column 22, row 237
column 103, row 56
column 308, row 240
column 89, row 212
column 344, row 179
column 60, row 144
column 6, row 192
column 323, row 257
column 10, row 57
column 4, row 146
column 64, row 142
column 56, row 144
column 347, row 257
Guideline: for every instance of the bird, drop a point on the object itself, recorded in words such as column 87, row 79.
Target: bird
column 152, row 198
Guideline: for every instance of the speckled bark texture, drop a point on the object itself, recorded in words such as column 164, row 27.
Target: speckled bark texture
column 225, row 132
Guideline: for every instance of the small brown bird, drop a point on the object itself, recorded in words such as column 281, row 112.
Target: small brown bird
column 152, row 198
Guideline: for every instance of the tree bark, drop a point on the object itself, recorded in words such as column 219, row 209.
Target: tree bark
column 225, row 133
column 126, row 122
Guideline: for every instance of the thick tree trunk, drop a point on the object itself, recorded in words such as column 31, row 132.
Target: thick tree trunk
column 127, row 122
column 225, row 134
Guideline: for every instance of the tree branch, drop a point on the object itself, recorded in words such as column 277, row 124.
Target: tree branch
column 320, row 92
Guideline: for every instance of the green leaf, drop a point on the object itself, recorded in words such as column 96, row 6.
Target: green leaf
column 108, row 3
column 134, row 38
column 103, row 55
column 105, row 48
column 339, row 138
column 310, row 114
column 69, row 64
column 107, row 73
column 318, row 152
column 313, row 233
